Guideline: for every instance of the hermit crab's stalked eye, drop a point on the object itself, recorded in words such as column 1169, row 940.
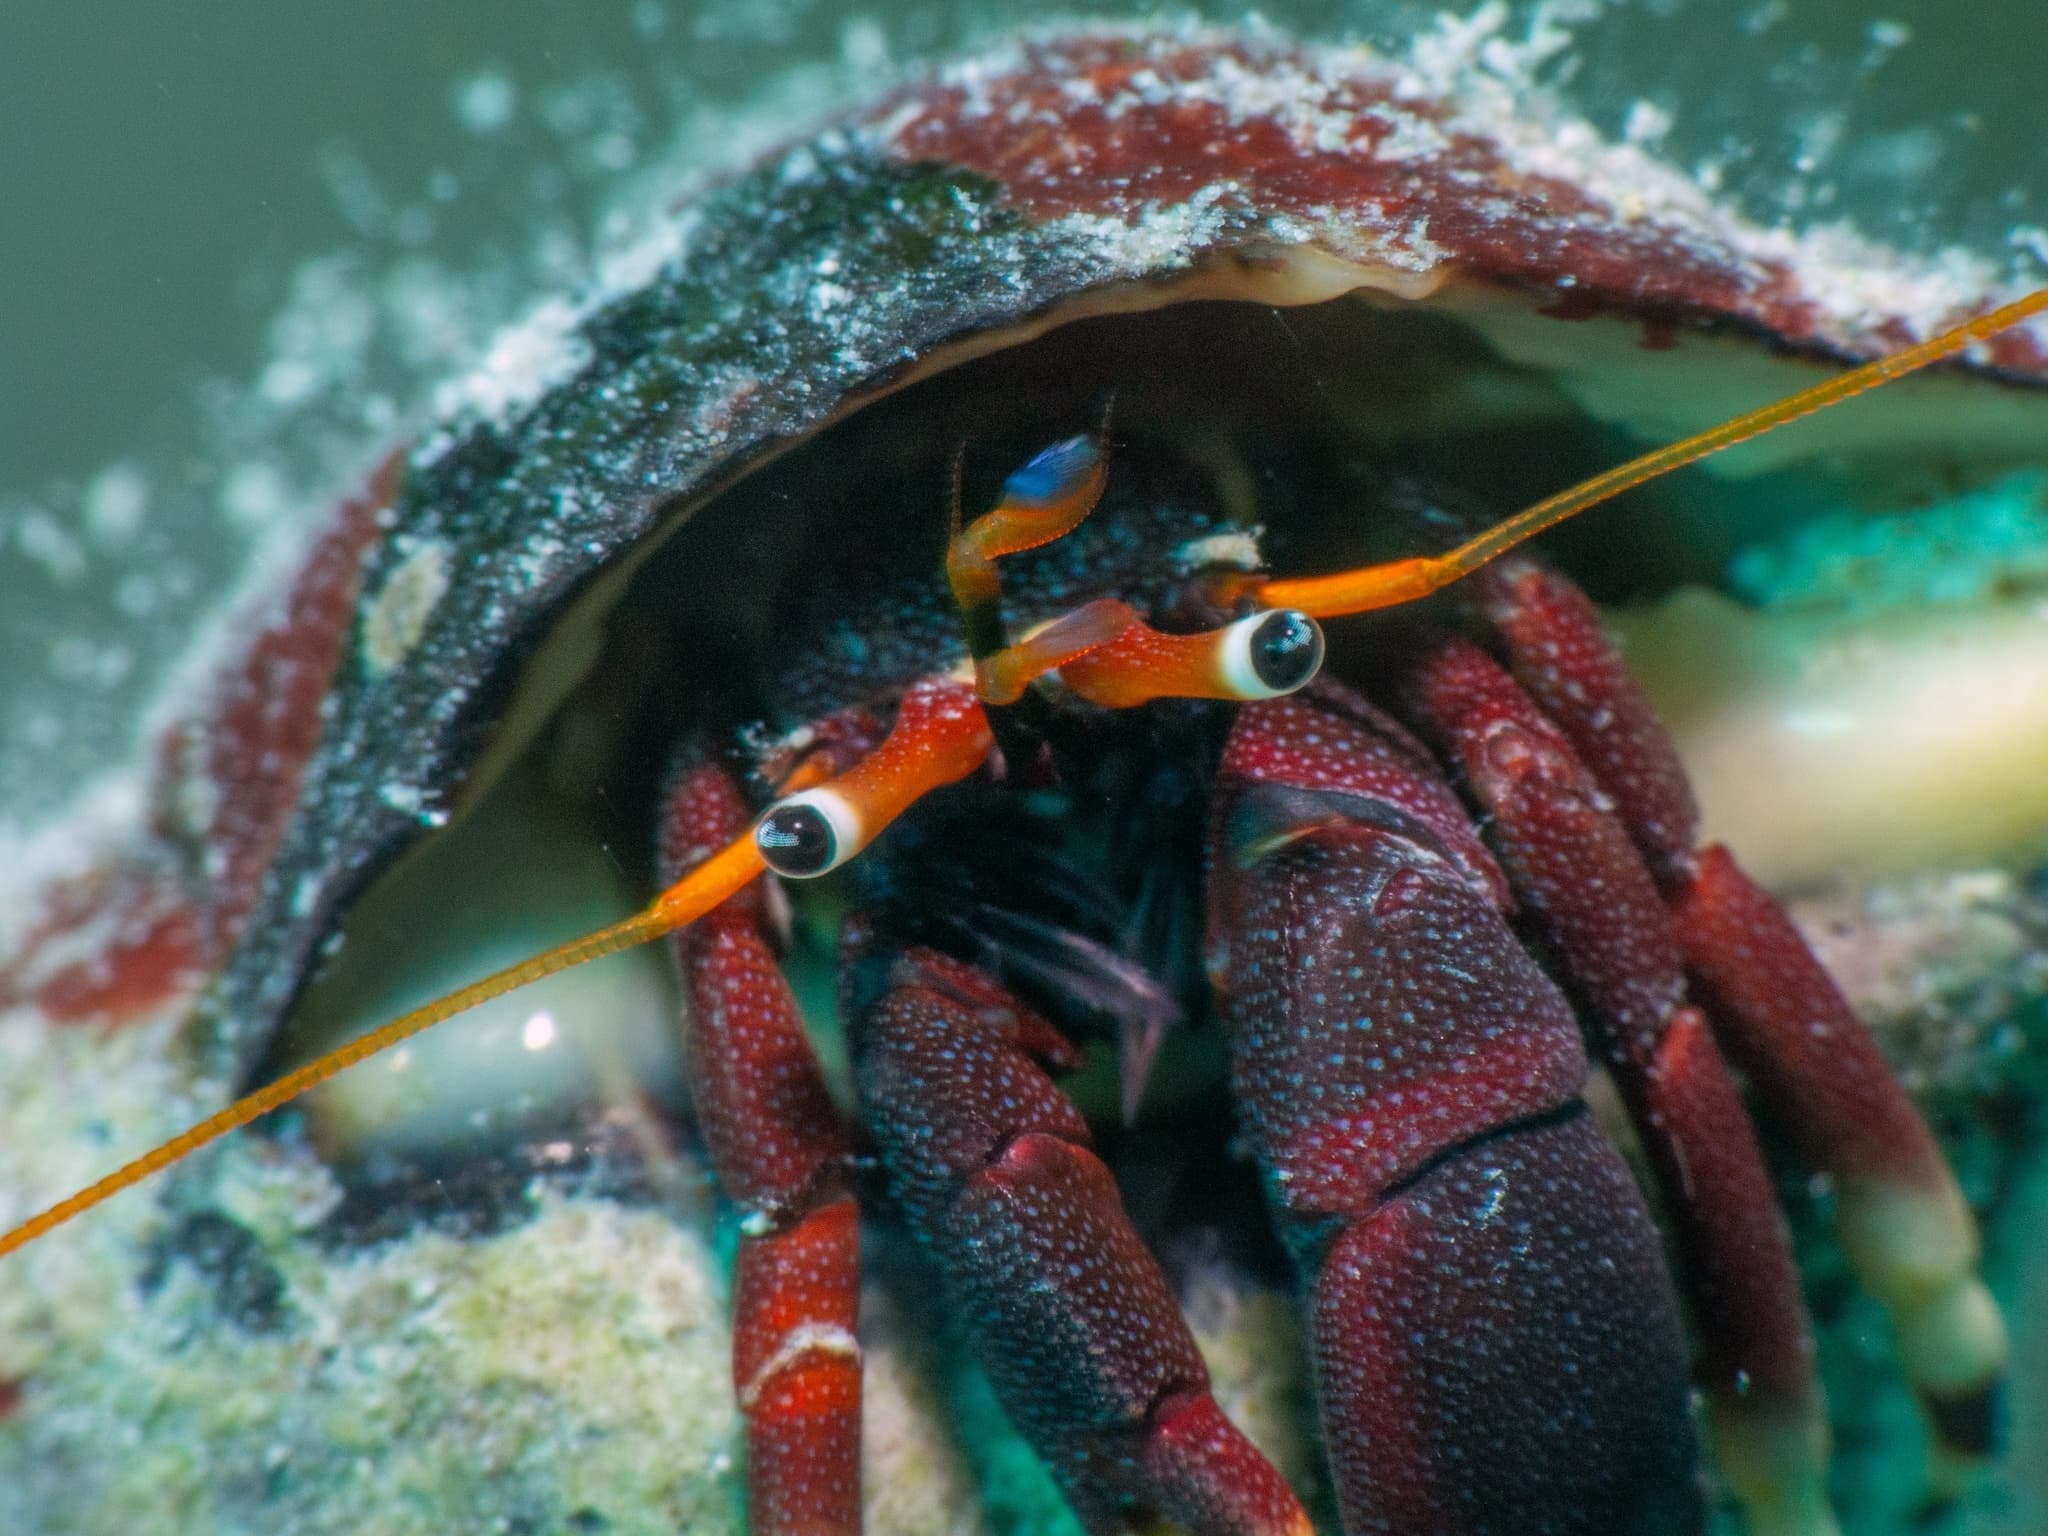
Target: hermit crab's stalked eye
column 1270, row 654
column 809, row 834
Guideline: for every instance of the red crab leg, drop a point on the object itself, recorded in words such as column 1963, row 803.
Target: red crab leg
column 1573, row 863
column 1074, row 1321
column 781, row 1155
column 1903, row 1221
column 1487, row 1291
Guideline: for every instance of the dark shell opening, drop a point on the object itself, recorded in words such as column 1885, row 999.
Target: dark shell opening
column 1317, row 422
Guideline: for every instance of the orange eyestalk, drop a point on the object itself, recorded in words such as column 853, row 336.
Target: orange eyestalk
column 1003, row 677
column 1107, row 655
column 1260, row 657
column 1402, row 581
column 940, row 737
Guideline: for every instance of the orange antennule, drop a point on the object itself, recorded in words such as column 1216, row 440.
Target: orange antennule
column 1402, row 581
column 1047, row 498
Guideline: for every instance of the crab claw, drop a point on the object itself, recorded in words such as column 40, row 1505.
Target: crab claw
column 1075, row 1324
column 1488, row 1294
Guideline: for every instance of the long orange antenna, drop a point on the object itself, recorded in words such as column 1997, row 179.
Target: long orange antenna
column 940, row 736
column 684, row 902
column 1402, row 581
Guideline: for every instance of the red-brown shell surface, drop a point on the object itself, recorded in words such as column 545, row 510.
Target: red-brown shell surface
column 1404, row 265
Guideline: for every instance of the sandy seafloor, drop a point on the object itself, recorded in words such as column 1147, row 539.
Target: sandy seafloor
column 566, row 1372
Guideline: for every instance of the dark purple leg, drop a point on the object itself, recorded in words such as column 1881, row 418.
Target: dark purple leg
column 1580, row 876
column 1903, row 1222
column 1497, row 1340
column 1072, row 1317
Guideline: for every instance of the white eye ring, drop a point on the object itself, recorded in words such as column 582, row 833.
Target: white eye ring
column 809, row 833
column 1270, row 654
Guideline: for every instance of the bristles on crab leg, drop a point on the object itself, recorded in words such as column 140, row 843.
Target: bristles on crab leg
column 1403, row 581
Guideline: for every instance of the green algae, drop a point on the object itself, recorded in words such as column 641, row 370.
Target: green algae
column 1951, row 974
column 1984, row 544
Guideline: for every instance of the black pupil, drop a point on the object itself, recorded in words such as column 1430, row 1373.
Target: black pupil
column 797, row 840
column 1286, row 650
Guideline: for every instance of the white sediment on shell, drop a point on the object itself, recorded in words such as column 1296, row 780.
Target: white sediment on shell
column 524, row 362
column 106, row 812
column 1491, row 86
column 103, row 817
column 1470, row 77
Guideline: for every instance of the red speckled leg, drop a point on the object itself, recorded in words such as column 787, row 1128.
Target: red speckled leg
column 1903, row 1222
column 780, row 1155
column 1902, row 1219
column 1073, row 1319
column 1574, row 865
column 1497, row 1340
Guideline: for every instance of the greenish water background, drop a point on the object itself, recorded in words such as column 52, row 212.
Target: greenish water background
column 240, row 239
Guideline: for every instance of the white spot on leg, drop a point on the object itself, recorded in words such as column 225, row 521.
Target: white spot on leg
column 804, row 1339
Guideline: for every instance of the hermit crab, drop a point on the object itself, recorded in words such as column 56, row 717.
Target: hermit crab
column 967, row 482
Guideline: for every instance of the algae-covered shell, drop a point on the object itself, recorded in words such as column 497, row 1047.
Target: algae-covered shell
column 1404, row 266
